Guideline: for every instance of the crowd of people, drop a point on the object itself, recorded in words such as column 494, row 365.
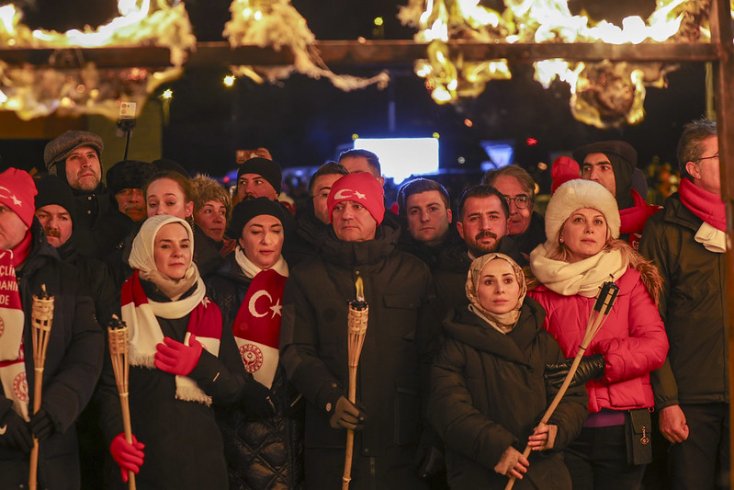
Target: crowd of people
column 237, row 306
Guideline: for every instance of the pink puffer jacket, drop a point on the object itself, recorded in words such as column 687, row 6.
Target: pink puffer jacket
column 633, row 341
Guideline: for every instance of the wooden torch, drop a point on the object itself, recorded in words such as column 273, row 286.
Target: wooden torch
column 117, row 336
column 356, row 329
column 42, row 318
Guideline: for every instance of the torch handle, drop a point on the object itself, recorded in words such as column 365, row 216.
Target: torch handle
column 33, row 467
column 127, row 428
column 347, row 477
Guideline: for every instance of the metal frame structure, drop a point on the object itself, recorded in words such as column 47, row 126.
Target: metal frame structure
column 389, row 53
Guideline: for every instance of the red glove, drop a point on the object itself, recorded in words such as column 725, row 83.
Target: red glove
column 129, row 457
column 173, row 357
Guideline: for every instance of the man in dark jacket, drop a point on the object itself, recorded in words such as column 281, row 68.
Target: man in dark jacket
column 687, row 241
column 613, row 165
column 74, row 353
column 392, row 374
column 482, row 225
column 75, row 157
column 312, row 220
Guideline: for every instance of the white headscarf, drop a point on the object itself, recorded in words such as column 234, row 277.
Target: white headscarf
column 142, row 257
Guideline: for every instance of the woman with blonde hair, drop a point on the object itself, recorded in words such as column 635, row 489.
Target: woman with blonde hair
column 581, row 253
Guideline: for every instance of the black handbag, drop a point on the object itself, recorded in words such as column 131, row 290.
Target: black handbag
column 638, row 431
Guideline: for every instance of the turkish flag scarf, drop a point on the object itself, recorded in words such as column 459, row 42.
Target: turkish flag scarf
column 256, row 327
column 12, row 322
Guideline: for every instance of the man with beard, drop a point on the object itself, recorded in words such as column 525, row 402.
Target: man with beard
column 482, row 225
column 75, row 158
column 258, row 177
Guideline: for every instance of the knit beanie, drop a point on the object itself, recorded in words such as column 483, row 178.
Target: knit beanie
column 267, row 169
column 53, row 190
column 623, row 158
column 17, row 191
column 248, row 209
column 129, row 174
column 577, row 194
column 59, row 148
column 360, row 187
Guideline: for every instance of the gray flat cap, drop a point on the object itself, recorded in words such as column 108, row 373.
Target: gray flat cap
column 59, row 148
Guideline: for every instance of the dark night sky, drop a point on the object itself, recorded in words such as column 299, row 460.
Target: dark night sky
column 302, row 121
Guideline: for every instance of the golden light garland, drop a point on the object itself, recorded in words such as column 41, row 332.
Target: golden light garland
column 75, row 87
column 602, row 94
column 277, row 24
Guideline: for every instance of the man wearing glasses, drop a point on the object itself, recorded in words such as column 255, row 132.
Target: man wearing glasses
column 687, row 242
column 526, row 227
column 612, row 164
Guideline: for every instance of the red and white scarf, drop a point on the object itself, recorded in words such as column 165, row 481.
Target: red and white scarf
column 12, row 322
column 256, row 327
column 139, row 313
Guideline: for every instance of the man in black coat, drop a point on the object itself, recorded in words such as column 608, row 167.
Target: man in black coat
column 392, row 375
column 75, row 157
column 74, row 353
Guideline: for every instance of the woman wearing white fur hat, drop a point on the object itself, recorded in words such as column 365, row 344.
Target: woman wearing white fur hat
column 582, row 252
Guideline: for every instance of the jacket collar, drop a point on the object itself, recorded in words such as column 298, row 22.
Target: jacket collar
column 675, row 212
column 367, row 253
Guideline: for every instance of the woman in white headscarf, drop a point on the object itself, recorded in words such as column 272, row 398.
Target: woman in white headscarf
column 581, row 253
column 182, row 361
column 488, row 391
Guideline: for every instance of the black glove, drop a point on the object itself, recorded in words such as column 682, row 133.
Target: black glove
column 346, row 415
column 258, row 400
column 429, row 461
column 42, row 425
column 14, row 432
column 591, row 367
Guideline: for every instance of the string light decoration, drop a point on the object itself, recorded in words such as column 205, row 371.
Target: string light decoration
column 277, row 24
column 603, row 94
column 69, row 86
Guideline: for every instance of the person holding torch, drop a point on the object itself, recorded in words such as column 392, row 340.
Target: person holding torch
column 582, row 252
column 391, row 374
column 74, row 346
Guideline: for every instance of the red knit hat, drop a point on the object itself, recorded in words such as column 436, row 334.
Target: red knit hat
column 17, row 192
column 563, row 169
column 360, row 187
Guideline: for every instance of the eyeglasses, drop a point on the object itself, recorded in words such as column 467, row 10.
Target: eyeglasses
column 522, row 201
column 706, row 158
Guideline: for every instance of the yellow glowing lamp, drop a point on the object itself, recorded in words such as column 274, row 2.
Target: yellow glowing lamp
column 229, row 81
column 167, row 94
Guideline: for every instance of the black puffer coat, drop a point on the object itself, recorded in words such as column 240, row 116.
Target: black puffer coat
column 73, row 363
column 389, row 387
column 488, row 393
column 260, row 453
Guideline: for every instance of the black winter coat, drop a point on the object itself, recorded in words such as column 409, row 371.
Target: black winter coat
column 260, row 453
column 488, row 393
column 73, row 364
column 183, row 446
column 98, row 225
column 693, row 307
column 396, row 348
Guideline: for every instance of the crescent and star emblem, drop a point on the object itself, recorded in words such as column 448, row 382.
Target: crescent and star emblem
column 12, row 196
column 275, row 308
column 348, row 194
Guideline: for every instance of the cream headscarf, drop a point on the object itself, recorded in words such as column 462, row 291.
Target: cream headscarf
column 142, row 257
column 502, row 322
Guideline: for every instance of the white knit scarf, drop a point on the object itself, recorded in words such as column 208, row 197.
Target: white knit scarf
column 12, row 321
column 583, row 277
column 250, row 269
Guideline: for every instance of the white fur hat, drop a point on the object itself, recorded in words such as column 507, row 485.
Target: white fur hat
column 576, row 194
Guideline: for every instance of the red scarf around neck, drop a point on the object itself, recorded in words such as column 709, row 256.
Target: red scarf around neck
column 704, row 204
